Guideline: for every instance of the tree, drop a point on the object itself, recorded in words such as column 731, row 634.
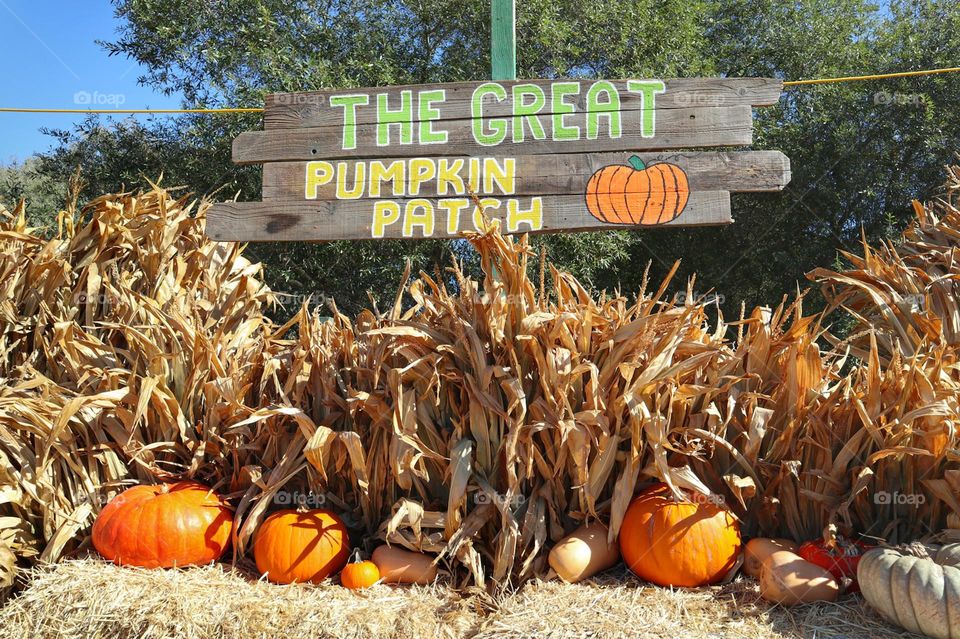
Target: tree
column 860, row 151
column 24, row 181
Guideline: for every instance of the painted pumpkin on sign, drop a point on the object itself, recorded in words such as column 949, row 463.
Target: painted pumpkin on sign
column 678, row 543
column 178, row 524
column 638, row 194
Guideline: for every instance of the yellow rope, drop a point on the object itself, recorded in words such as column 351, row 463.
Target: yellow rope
column 236, row 110
column 789, row 83
column 878, row 76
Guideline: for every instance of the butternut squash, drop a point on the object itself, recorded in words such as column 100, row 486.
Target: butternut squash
column 788, row 579
column 399, row 566
column 759, row 548
column 583, row 553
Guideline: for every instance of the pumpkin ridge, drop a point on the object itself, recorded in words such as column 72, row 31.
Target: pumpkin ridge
column 904, row 605
column 623, row 215
column 669, row 209
column 138, row 539
column 918, row 584
column 950, row 582
column 660, row 196
column 591, row 191
column 645, row 176
column 675, row 173
column 684, row 190
column 603, row 189
column 626, row 185
column 658, row 168
column 159, row 505
column 646, row 202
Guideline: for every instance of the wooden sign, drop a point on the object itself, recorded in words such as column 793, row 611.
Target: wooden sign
column 433, row 161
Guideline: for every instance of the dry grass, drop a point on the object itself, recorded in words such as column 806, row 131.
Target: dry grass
column 480, row 420
column 96, row 600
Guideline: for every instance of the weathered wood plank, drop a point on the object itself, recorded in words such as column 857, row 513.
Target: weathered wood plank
column 354, row 219
column 564, row 174
column 675, row 129
column 312, row 109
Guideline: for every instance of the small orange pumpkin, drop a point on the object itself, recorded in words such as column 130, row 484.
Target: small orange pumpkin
column 638, row 194
column 301, row 546
column 678, row 543
column 161, row 526
column 358, row 574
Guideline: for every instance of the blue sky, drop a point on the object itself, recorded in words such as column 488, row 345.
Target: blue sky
column 51, row 60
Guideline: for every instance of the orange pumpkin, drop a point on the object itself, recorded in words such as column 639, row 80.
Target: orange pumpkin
column 638, row 194
column 359, row 574
column 162, row 526
column 301, row 546
column 673, row 543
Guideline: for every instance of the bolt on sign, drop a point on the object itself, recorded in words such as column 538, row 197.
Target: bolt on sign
column 433, row 161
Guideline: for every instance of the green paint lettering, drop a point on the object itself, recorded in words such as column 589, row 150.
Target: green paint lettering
column 559, row 91
column 609, row 108
column 497, row 126
column 349, row 104
column 523, row 112
column 402, row 117
column 429, row 114
column 648, row 89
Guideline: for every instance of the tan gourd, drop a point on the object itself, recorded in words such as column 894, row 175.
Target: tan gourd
column 759, row 548
column 787, row 578
column 583, row 553
column 918, row 593
column 398, row 566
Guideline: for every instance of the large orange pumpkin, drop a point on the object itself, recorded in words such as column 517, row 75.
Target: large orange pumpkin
column 638, row 194
column 673, row 543
column 162, row 526
column 301, row 546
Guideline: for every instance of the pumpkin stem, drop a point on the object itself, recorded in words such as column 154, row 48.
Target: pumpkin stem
column 636, row 163
column 355, row 557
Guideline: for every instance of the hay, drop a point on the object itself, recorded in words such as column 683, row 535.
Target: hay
column 617, row 604
column 96, row 600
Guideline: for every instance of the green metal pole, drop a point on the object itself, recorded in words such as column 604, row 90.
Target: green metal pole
column 503, row 56
column 503, row 40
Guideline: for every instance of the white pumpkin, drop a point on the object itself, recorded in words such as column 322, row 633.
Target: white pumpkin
column 918, row 593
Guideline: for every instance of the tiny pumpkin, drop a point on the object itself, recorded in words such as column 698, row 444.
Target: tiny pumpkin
column 638, row 194
column 301, row 546
column 165, row 525
column 358, row 574
column 678, row 543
